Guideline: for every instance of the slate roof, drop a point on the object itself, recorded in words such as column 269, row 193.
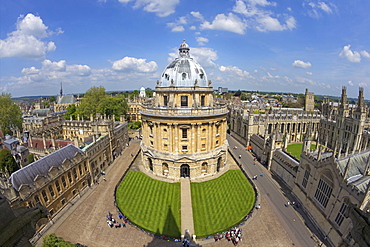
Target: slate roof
column 357, row 165
column 27, row 174
column 66, row 99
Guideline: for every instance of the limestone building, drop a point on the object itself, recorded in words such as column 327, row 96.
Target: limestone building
column 184, row 130
column 325, row 181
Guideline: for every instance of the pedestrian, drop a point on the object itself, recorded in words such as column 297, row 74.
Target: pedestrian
column 261, row 174
column 254, row 163
column 240, row 156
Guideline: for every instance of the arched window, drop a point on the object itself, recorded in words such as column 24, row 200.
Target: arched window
column 341, row 214
column 306, row 176
column 324, row 189
column 204, row 168
column 165, row 169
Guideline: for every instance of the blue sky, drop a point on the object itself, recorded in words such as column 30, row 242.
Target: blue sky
column 282, row 46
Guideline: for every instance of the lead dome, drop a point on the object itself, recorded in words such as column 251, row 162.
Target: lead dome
column 184, row 71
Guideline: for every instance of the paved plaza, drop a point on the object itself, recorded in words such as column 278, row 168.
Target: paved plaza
column 85, row 221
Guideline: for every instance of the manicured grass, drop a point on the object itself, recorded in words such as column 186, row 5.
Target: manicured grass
column 221, row 203
column 295, row 149
column 153, row 205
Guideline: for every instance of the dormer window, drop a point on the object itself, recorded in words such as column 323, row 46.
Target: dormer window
column 201, row 76
column 183, row 76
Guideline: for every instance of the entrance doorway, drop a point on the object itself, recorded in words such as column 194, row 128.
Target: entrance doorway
column 184, row 171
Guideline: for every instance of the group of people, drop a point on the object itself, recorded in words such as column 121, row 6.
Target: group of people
column 234, row 235
column 292, row 203
column 113, row 223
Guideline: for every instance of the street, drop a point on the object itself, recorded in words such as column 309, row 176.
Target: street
column 275, row 195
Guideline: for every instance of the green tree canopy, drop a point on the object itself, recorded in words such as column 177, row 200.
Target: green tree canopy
column 96, row 100
column 116, row 106
column 71, row 111
column 7, row 162
column 10, row 114
column 90, row 102
column 51, row 240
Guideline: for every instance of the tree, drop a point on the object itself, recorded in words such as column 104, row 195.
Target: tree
column 7, row 162
column 51, row 240
column 31, row 158
column 134, row 94
column 71, row 111
column 149, row 93
column 134, row 125
column 10, row 114
column 116, row 106
column 90, row 102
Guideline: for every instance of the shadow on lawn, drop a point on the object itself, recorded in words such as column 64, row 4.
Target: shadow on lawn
column 170, row 227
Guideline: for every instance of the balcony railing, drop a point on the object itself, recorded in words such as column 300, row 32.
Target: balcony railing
column 184, row 111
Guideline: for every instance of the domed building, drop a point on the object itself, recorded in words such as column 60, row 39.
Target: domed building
column 183, row 129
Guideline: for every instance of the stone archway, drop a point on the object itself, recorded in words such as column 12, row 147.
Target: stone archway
column 185, row 170
column 219, row 162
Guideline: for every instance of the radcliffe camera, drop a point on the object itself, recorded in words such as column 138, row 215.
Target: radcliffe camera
column 169, row 123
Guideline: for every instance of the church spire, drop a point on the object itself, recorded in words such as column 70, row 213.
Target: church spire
column 61, row 89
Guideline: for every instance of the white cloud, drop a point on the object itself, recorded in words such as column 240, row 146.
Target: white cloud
column 365, row 54
column 350, row 83
column 201, row 40
column 301, row 64
column 268, row 23
column 309, row 73
column 197, row 15
column 135, row 65
column 177, row 26
column 316, row 9
column 79, row 70
column 54, row 66
column 162, row 8
column 263, row 20
column 364, row 84
column 352, row 56
column 230, row 23
column 233, row 70
column 26, row 41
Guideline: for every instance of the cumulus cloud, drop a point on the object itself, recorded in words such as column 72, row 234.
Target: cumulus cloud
column 79, row 70
column 233, row 70
column 229, row 22
column 201, row 40
column 350, row 83
column 161, row 8
column 301, row 64
column 365, row 54
column 26, row 41
column 54, row 66
column 352, row 56
column 135, row 65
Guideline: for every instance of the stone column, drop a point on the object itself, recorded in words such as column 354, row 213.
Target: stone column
column 170, row 138
column 176, row 137
column 198, row 137
column 193, row 141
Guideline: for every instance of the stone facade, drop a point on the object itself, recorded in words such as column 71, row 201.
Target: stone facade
column 325, row 181
column 183, row 129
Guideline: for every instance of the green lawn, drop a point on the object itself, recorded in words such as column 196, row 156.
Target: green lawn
column 295, row 149
column 153, row 205
column 221, row 203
